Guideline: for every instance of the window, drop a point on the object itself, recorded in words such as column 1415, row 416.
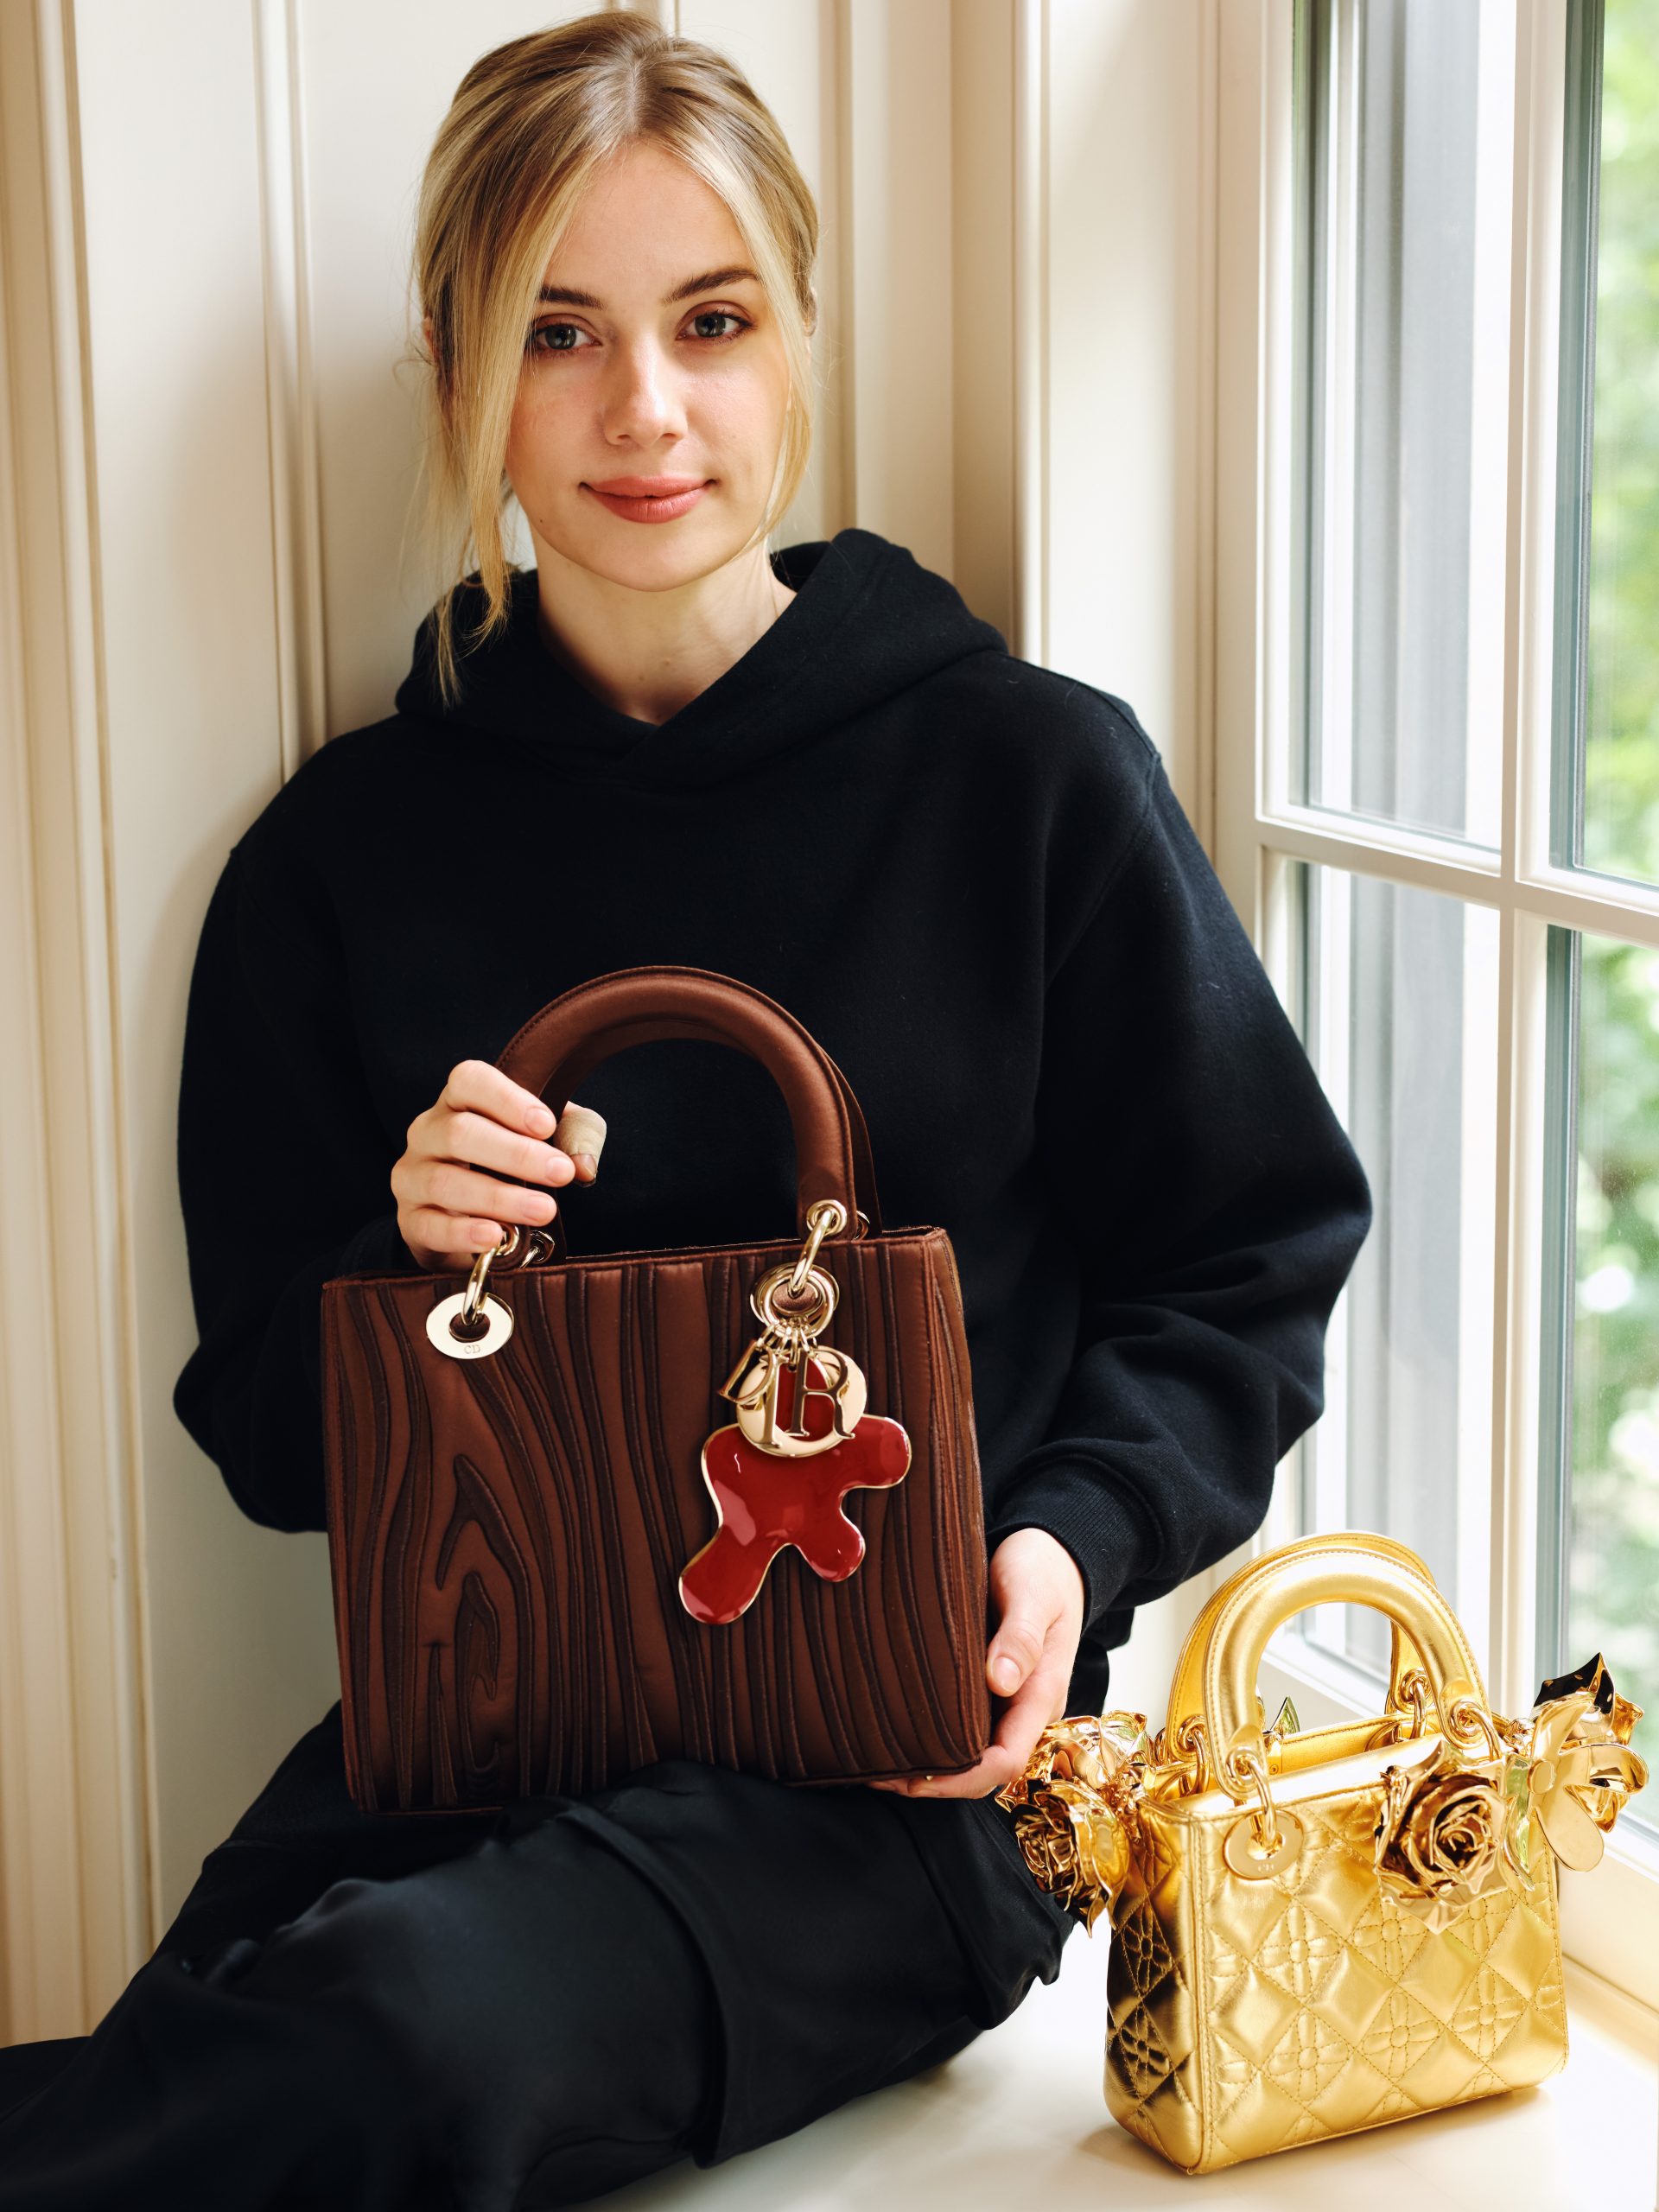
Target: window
column 1450, row 825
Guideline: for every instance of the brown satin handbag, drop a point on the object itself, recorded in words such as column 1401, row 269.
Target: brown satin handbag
column 720, row 1501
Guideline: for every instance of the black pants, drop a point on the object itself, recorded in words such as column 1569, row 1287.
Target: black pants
column 502, row 2012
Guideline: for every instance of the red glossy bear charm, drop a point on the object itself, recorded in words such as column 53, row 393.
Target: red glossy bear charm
column 765, row 1501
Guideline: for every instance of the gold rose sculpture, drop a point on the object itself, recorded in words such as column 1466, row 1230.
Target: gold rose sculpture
column 1456, row 1828
column 1450, row 1829
column 1441, row 1834
column 1074, row 1806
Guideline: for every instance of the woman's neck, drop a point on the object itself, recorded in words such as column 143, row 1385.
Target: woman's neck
column 647, row 654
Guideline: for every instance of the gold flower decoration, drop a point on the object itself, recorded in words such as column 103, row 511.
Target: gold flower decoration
column 1581, row 1771
column 1440, row 1833
column 1073, row 1808
column 1453, row 1828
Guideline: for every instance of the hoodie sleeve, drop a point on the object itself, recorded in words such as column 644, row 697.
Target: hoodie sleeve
column 284, row 1180
column 1218, row 1207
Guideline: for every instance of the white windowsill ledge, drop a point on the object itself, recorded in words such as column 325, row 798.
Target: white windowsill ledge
column 1018, row 2120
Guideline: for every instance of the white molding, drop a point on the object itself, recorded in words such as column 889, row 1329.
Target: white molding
column 839, row 316
column 1204, row 809
column 1253, row 249
column 296, row 488
column 74, row 1793
column 1030, row 639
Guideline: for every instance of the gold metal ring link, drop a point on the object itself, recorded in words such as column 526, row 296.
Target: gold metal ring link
column 466, row 1319
column 1413, row 1685
column 1467, row 1717
column 826, row 1217
column 1265, row 1841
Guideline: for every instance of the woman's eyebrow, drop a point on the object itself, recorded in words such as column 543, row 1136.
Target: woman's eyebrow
column 565, row 297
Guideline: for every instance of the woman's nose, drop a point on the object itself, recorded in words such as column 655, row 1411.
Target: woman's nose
column 640, row 402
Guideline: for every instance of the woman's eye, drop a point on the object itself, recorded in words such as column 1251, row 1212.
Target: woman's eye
column 720, row 314
column 542, row 330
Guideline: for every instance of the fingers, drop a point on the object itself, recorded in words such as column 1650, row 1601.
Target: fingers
column 483, row 1088
column 1041, row 1700
column 437, row 1238
column 1038, row 1591
column 452, row 1201
column 474, row 1140
column 1018, row 1644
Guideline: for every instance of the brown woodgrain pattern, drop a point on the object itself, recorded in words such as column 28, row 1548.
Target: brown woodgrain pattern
column 506, row 1536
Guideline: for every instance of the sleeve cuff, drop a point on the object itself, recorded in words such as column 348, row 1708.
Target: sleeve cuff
column 1100, row 1524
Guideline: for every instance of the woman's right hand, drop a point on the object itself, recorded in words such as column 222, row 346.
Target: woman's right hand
column 449, row 1211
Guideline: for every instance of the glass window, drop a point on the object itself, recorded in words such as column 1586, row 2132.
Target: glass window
column 1599, row 1553
column 1402, row 282
column 1607, row 803
column 1468, row 605
column 1398, row 1011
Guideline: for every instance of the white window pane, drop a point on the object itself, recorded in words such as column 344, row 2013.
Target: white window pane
column 1402, row 301
column 1610, row 308
column 1399, row 1015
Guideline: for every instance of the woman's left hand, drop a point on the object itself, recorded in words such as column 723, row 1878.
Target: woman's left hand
column 1037, row 1587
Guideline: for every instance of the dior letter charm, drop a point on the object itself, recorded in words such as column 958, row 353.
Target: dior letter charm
column 801, row 1439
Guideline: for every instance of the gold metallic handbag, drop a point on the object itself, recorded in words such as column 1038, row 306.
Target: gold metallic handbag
column 1317, row 1932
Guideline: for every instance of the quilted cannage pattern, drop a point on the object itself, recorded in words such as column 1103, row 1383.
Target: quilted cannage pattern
column 507, row 1535
column 1152, row 2071
column 1324, row 2006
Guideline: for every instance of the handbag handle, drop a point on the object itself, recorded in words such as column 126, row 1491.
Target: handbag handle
column 1186, row 1690
column 1317, row 1571
column 563, row 1043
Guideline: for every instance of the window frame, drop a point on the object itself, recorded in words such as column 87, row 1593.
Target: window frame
column 1610, row 1917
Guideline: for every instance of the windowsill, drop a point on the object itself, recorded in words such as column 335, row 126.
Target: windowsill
column 1020, row 2118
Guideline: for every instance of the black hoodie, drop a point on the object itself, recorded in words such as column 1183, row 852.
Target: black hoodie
column 971, row 881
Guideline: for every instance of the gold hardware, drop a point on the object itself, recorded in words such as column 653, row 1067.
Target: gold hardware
column 1287, row 1722
column 789, row 1339
column 1246, row 1855
column 1467, row 1717
column 1414, row 1686
column 503, row 1251
column 1189, row 1744
column 1265, row 1841
column 469, row 1324
column 827, row 1218
column 776, row 1281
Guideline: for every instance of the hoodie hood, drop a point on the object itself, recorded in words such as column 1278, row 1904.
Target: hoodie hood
column 867, row 621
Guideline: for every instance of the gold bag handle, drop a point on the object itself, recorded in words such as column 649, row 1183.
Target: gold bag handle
column 1225, row 1649
column 1186, row 1691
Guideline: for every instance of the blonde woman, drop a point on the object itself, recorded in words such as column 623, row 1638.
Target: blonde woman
column 815, row 769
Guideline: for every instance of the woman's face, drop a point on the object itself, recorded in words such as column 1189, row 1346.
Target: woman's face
column 651, row 357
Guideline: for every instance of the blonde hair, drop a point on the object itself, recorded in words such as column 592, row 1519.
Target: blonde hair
column 531, row 123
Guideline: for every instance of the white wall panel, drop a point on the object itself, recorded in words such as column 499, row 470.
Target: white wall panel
column 375, row 79
column 176, row 362
column 790, row 55
column 1127, row 101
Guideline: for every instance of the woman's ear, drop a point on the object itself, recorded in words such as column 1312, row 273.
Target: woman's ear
column 429, row 333
column 812, row 318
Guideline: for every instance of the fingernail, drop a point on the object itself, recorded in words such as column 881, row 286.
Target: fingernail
column 541, row 1118
column 587, row 1164
column 1004, row 1673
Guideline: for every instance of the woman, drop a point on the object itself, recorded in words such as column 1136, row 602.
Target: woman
column 970, row 878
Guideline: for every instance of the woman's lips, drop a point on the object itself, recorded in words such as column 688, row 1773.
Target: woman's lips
column 634, row 509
